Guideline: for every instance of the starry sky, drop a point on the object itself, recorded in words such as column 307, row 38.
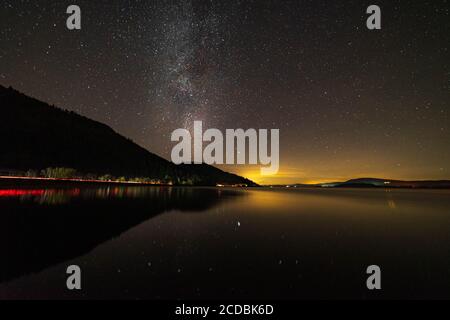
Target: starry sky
column 349, row 102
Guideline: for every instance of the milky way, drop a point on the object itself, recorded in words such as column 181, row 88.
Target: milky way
column 189, row 76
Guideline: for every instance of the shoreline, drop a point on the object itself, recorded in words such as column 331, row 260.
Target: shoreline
column 31, row 182
column 8, row 181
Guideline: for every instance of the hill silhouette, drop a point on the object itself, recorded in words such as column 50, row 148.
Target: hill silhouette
column 376, row 182
column 382, row 183
column 35, row 136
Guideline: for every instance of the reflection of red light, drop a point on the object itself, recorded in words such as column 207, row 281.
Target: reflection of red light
column 18, row 193
column 73, row 192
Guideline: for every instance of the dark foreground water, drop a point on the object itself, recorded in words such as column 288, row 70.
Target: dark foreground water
column 188, row 243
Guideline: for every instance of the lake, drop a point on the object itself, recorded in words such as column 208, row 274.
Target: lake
column 218, row 243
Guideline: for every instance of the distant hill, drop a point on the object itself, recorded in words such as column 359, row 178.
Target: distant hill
column 374, row 182
column 381, row 183
column 35, row 135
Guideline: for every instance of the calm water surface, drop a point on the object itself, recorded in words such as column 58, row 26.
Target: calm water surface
column 206, row 243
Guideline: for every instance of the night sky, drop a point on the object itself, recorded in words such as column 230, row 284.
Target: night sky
column 349, row 102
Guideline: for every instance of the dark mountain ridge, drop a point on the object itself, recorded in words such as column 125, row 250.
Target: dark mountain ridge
column 382, row 183
column 375, row 182
column 35, row 136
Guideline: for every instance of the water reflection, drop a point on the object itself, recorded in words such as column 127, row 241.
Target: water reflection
column 224, row 243
column 43, row 227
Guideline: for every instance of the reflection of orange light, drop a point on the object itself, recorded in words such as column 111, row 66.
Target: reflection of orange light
column 18, row 193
